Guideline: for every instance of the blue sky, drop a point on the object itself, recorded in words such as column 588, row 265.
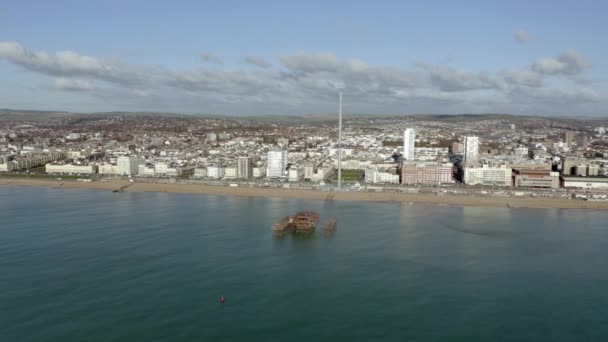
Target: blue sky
column 288, row 57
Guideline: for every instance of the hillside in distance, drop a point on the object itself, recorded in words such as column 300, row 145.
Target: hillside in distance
column 41, row 115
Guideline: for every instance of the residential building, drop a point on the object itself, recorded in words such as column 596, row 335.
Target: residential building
column 276, row 164
column 295, row 174
column 471, row 150
column 215, row 171
column 71, row 168
column 409, row 142
column 569, row 137
column 107, row 169
column 127, row 165
column 146, row 170
column 244, row 168
column 230, row 172
column 200, row 172
column 258, row 172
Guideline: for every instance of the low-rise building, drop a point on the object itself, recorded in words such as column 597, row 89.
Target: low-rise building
column 107, row 169
column 486, row 175
column 200, row 172
column 295, row 174
column 536, row 179
column 146, row 170
column 585, row 182
column 71, row 168
column 230, row 172
column 373, row 176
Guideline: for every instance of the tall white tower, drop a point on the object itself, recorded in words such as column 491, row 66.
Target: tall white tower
column 409, row 140
column 340, row 143
column 276, row 164
column 471, row 150
column 243, row 168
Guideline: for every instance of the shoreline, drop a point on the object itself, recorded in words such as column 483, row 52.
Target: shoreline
column 506, row 202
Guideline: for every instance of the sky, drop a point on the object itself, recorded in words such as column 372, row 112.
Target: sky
column 294, row 57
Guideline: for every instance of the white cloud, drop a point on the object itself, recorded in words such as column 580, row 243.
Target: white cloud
column 450, row 79
column 69, row 64
column 211, row 58
column 309, row 82
column 522, row 36
column 569, row 62
column 258, row 61
column 69, row 84
column 523, row 77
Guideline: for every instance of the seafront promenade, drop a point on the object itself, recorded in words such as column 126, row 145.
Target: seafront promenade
column 445, row 199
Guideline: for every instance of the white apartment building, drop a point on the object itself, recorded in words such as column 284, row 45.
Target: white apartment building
column 230, row 173
column 585, row 182
column 471, row 150
column 485, row 175
column 127, row 165
column 107, row 169
column 32, row 160
column 200, row 172
column 409, row 141
column 373, row 176
column 71, row 168
column 296, row 174
column 146, row 170
column 276, row 164
column 215, row 172
column 161, row 169
column 244, row 168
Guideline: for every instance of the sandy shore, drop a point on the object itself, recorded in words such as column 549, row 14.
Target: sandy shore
column 316, row 195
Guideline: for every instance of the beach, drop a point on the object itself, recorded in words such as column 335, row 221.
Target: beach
column 513, row 202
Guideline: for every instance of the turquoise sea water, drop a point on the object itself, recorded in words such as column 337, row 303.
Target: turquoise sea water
column 84, row 265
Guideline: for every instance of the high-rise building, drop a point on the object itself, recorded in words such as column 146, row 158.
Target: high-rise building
column 276, row 164
column 569, row 137
column 409, row 140
column 127, row 165
column 471, row 150
column 585, row 141
column 244, row 168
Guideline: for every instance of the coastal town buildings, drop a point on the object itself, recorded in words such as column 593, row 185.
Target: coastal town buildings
column 393, row 152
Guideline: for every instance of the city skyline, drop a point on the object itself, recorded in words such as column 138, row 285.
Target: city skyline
column 482, row 58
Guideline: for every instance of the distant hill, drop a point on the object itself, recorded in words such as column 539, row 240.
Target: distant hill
column 33, row 115
column 37, row 115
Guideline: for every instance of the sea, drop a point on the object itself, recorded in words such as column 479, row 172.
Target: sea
column 88, row 265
